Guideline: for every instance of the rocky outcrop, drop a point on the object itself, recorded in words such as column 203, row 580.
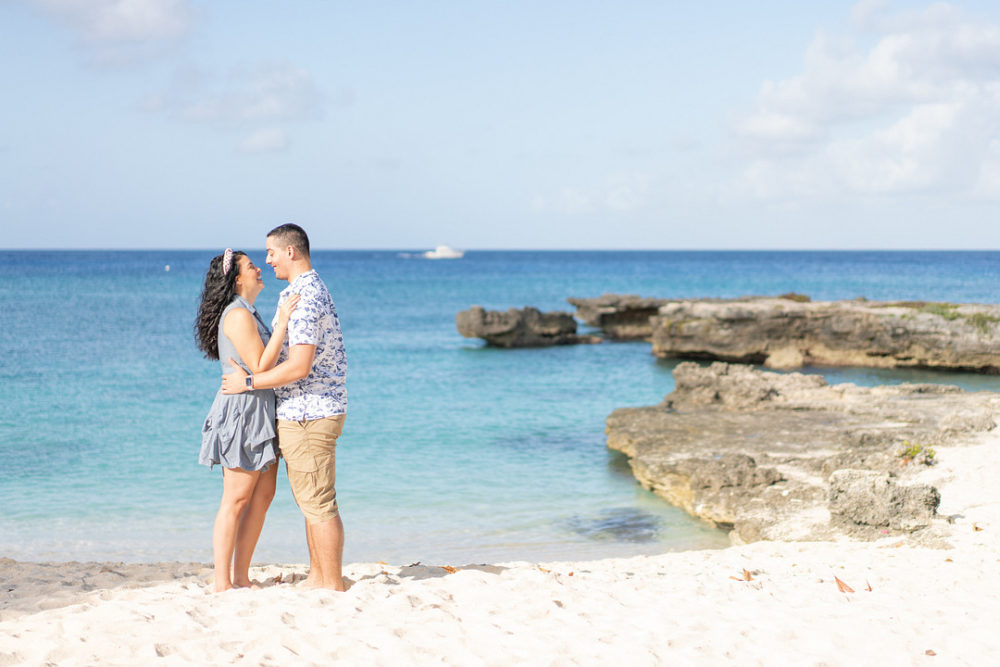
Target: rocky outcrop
column 792, row 332
column 527, row 327
column 873, row 498
column 786, row 456
column 619, row 316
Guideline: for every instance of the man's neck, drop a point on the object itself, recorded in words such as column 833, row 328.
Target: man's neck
column 298, row 268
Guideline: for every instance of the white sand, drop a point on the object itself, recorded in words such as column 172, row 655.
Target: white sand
column 934, row 606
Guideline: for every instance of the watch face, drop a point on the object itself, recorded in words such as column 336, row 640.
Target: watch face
column 249, row 382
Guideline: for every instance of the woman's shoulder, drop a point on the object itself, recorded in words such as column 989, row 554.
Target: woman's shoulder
column 238, row 303
column 239, row 316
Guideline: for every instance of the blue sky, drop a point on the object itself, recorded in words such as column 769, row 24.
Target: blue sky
column 775, row 124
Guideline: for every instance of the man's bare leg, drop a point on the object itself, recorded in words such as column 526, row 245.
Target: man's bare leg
column 313, row 578
column 326, row 554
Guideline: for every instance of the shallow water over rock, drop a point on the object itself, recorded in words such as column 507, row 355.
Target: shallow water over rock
column 619, row 524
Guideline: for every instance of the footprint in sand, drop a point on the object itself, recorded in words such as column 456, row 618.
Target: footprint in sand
column 200, row 618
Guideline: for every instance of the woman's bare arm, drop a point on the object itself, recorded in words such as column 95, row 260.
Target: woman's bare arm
column 273, row 349
column 296, row 367
column 240, row 327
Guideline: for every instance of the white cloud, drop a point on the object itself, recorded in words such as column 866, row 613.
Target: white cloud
column 620, row 192
column 118, row 31
column 863, row 12
column 626, row 192
column 684, row 143
column 916, row 110
column 248, row 94
column 257, row 98
column 568, row 200
column 267, row 140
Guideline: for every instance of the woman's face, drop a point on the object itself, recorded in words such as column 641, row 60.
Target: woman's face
column 248, row 280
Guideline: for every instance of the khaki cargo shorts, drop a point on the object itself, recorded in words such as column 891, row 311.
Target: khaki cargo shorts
column 309, row 450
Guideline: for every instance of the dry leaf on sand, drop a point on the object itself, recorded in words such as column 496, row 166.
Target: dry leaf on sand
column 842, row 587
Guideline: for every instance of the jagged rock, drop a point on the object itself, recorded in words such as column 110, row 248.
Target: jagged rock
column 752, row 451
column 788, row 333
column 860, row 498
column 732, row 470
column 736, row 385
column 619, row 316
column 527, row 327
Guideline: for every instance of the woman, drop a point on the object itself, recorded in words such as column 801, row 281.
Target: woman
column 239, row 431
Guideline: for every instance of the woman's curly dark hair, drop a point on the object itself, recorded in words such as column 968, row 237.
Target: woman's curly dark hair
column 218, row 293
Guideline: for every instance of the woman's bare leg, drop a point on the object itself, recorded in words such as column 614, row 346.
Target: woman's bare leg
column 237, row 489
column 251, row 524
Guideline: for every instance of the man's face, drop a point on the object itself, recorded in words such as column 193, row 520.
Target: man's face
column 278, row 258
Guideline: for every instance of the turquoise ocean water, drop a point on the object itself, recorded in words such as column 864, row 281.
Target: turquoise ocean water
column 452, row 452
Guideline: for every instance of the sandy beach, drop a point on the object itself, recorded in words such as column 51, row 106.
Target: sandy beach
column 932, row 599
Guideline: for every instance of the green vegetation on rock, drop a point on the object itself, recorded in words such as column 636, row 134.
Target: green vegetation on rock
column 916, row 453
column 946, row 310
column 982, row 321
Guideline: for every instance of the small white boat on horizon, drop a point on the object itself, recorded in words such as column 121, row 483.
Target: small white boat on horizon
column 444, row 252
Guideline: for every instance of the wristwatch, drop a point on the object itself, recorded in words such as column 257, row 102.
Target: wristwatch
column 248, row 382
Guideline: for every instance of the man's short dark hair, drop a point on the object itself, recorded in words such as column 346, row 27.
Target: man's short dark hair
column 290, row 234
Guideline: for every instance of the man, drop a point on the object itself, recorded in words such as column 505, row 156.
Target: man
column 309, row 385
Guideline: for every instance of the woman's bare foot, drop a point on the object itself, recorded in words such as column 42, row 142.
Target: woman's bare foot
column 247, row 583
column 221, row 587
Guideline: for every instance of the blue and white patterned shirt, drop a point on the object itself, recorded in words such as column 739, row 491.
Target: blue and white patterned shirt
column 322, row 393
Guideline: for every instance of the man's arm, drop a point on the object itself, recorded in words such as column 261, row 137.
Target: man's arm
column 296, row 367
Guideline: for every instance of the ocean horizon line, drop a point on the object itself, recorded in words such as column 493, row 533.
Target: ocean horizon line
column 537, row 250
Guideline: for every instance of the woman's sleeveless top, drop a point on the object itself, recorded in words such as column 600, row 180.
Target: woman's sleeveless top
column 239, row 430
column 226, row 347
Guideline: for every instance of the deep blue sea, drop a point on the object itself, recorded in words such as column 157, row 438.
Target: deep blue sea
column 452, row 452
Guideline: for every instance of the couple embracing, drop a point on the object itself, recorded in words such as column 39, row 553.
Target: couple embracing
column 283, row 394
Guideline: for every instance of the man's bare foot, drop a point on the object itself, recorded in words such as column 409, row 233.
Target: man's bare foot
column 308, row 582
column 247, row 583
column 313, row 583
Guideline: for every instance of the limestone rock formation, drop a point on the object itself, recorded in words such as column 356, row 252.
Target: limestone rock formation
column 777, row 456
column 527, row 327
column 619, row 316
column 790, row 332
column 871, row 498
